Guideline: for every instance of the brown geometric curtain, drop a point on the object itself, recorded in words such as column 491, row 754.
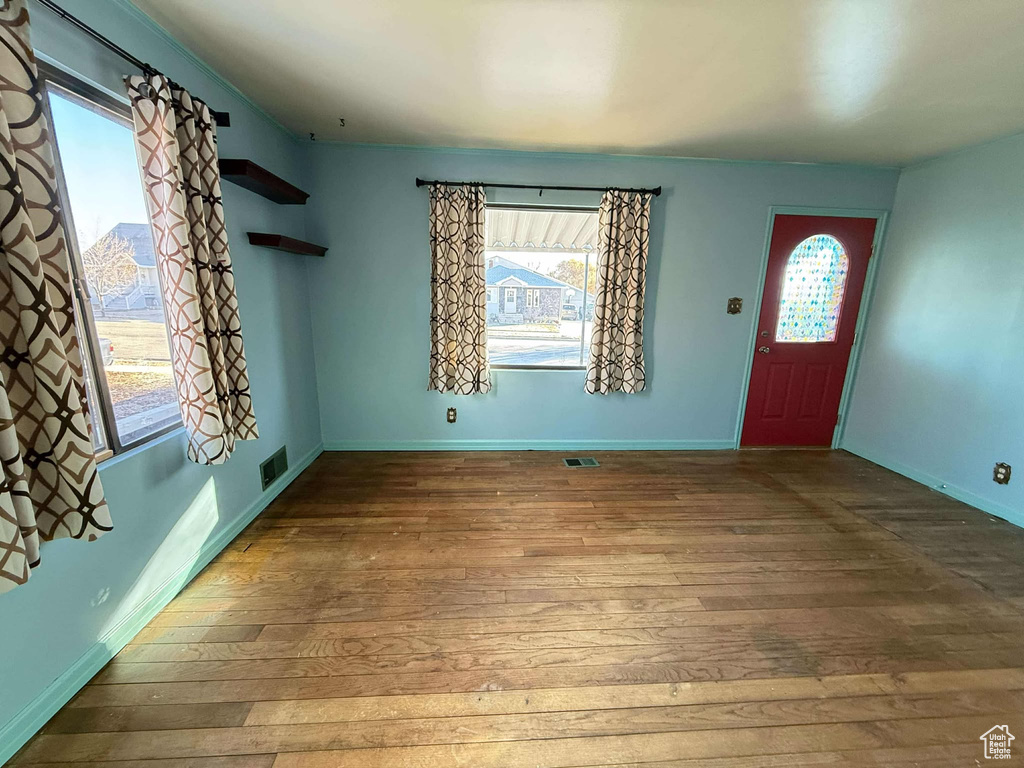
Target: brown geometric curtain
column 177, row 147
column 458, row 306
column 617, row 341
column 50, row 487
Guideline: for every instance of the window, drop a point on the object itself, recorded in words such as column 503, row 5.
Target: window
column 119, row 308
column 492, row 295
column 812, row 291
column 551, row 253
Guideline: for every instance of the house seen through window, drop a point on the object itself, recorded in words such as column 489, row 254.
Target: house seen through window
column 541, row 273
column 119, row 308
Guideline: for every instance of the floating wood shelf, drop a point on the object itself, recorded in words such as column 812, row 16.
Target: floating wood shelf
column 285, row 243
column 245, row 173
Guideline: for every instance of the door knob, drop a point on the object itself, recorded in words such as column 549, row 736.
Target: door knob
column 763, row 350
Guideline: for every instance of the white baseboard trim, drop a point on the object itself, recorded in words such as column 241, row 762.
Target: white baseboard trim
column 529, row 445
column 937, row 484
column 34, row 716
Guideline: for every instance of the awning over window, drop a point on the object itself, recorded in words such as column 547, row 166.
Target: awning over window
column 521, row 230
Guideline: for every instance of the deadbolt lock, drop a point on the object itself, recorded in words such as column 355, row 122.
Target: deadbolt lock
column 763, row 350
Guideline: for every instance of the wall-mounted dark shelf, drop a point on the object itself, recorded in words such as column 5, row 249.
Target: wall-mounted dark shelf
column 285, row 243
column 245, row 173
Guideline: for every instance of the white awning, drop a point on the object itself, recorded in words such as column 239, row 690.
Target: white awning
column 539, row 230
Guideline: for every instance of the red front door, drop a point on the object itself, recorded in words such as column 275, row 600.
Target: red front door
column 812, row 292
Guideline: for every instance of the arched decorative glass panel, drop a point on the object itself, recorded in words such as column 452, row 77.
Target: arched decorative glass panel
column 812, row 291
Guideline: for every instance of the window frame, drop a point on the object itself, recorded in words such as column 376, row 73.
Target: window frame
column 89, row 97
column 845, row 255
column 594, row 209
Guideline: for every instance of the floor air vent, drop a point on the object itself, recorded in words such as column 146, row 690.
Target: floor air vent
column 274, row 467
column 588, row 462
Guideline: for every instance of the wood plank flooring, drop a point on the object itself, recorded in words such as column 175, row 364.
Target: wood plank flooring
column 499, row 610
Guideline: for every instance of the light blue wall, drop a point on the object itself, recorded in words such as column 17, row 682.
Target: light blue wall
column 938, row 395
column 82, row 590
column 370, row 297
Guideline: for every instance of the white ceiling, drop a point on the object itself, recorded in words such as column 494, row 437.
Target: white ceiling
column 885, row 82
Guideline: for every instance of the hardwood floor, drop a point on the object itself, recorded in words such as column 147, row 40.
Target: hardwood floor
column 499, row 610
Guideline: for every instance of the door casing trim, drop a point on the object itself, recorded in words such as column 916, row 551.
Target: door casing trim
column 881, row 218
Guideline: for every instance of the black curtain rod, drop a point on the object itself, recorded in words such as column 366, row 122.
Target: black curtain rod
column 223, row 119
column 424, row 182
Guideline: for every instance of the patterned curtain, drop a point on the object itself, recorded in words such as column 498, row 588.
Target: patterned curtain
column 177, row 148
column 458, row 306
column 617, row 341
column 50, row 487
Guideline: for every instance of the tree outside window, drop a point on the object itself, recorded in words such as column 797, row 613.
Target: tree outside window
column 110, row 268
column 571, row 271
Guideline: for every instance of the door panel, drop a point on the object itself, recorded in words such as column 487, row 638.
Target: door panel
column 812, row 293
column 780, row 380
column 814, row 401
